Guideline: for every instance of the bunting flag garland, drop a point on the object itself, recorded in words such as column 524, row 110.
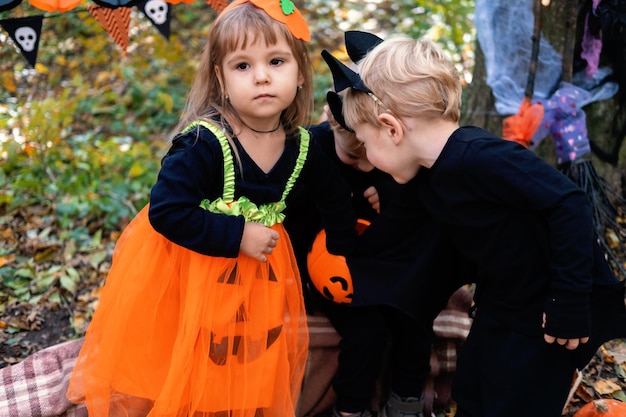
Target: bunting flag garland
column 113, row 16
column 115, row 21
column 25, row 32
column 8, row 4
column 158, row 12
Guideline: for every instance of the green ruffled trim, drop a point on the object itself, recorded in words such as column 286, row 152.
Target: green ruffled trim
column 304, row 151
column 268, row 214
column 229, row 168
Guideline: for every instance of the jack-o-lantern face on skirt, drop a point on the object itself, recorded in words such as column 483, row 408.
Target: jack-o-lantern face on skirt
column 246, row 346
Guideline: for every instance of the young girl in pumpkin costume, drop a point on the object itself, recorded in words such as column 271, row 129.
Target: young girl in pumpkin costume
column 202, row 313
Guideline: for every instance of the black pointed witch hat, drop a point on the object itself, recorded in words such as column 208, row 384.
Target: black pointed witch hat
column 343, row 77
column 359, row 44
column 335, row 104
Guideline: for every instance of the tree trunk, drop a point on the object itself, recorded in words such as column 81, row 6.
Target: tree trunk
column 606, row 120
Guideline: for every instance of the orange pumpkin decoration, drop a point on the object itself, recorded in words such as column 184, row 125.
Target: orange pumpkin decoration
column 603, row 407
column 329, row 273
column 55, row 5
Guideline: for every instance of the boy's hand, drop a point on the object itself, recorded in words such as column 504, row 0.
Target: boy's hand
column 258, row 241
column 371, row 194
column 570, row 344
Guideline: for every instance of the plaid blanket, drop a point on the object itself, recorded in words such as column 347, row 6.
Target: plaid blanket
column 36, row 386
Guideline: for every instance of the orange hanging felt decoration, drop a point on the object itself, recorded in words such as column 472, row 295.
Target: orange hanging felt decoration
column 603, row 407
column 522, row 126
column 55, row 5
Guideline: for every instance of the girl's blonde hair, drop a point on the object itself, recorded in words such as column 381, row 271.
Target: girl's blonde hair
column 234, row 29
column 409, row 78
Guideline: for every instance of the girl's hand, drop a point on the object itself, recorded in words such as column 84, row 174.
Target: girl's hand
column 258, row 241
column 372, row 196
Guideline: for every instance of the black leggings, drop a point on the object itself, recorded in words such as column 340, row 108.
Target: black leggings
column 504, row 373
column 368, row 333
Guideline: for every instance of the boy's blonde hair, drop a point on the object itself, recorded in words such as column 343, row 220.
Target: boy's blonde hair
column 409, row 78
column 232, row 30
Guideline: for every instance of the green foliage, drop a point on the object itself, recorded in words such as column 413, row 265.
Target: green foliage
column 81, row 183
column 81, row 138
column 82, row 176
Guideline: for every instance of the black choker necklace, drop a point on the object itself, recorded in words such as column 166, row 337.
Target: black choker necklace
column 261, row 131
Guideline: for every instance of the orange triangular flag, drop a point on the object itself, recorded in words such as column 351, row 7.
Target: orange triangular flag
column 114, row 21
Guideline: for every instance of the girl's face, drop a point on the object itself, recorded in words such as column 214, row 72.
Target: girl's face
column 261, row 81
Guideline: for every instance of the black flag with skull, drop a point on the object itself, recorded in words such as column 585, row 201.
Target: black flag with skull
column 25, row 32
column 158, row 12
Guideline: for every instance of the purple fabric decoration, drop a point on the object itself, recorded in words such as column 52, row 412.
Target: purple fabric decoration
column 568, row 123
column 591, row 48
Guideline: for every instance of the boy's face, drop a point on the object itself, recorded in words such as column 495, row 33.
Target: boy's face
column 350, row 151
column 384, row 153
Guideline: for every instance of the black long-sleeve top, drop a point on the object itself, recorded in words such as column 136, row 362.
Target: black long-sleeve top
column 305, row 221
column 526, row 226
column 193, row 170
column 402, row 260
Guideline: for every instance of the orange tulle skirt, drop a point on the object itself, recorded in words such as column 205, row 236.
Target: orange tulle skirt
column 179, row 334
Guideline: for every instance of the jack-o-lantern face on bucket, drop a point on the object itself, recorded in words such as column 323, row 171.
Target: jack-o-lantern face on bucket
column 329, row 273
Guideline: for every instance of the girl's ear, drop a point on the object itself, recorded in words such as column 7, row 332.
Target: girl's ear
column 300, row 79
column 392, row 126
column 300, row 74
column 218, row 75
